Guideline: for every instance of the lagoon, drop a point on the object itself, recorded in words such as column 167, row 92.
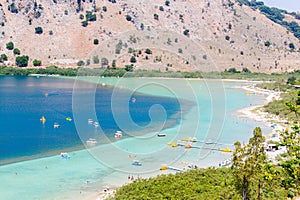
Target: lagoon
column 205, row 109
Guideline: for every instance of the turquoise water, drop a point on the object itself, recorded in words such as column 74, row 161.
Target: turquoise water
column 88, row 171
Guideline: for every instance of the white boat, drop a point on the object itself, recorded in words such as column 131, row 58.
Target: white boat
column 56, row 125
column 91, row 141
column 210, row 141
column 137, row 163
column 65, row 155
column 161, row 135
column 90, row 121
column 118, row 134
column 96, row 124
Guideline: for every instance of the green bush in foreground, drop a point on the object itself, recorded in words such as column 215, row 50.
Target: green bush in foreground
column 208, row 183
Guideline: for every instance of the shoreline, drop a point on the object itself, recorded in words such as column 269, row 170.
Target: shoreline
column 256, row 113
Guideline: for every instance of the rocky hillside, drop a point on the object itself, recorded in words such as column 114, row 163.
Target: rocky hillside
column 181, row 35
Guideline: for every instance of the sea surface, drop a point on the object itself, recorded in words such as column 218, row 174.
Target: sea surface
column 140, row 107
column 24, row 100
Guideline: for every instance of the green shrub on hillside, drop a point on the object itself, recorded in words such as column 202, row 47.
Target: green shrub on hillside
column 3, row 57
column 38, row 30
column 10, row 46
column 96, row 41
column 17, row 51
column 22, row 61
column 36, row 62
column 12, row 8
column 128, row 18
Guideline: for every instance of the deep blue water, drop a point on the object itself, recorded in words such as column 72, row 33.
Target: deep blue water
column 24, row 100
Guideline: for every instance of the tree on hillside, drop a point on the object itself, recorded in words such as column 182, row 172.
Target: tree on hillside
column 36, row 62
column 248, row 163
column 133, row 59
column 148, row 51
column 10, row 46
column 17, row 51
column 22, row 61
column 246, row 70
column 96, row 41
column 186, row 32
column 38, row 30
column 128, row 18
column 96, row 59
column 3, row 57
column 233, row 70
column 113, row 64
column 104, row 62
column 292, row 46
column 129, row 68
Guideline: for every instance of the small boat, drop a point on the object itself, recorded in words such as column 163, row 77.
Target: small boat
column 226, row 150
column 137, row 163
column 172, row 144
column 56, row 125
column 43, row 119
column 91, row 141
column 164, row 167
column 90, row 121
column 161, row 135
column 69, row 119
column 118, row 134
column 189, row 139
column 209, row 141
column 96, row 124
column 65, row 155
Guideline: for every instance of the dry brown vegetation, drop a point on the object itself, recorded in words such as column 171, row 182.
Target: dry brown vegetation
column 65, row 41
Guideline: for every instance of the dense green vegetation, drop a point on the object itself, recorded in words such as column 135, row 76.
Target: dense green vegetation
column 128, row 71
column 288, row 107
column 208, row 183
column 251, row 176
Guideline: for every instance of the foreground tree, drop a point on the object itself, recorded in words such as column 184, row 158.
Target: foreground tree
column 248, row 164
column 290, row 162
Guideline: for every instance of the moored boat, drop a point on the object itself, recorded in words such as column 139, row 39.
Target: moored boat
column 65, row 155
column 137, row 163
column 43, row 119
column 56, row 125
column 91, row 142
column 118, row 134
column 161, row 135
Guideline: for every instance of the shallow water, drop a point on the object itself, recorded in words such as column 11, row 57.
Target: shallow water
column 88, row 171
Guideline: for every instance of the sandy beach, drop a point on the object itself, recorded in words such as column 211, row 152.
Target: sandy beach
column 256, row 112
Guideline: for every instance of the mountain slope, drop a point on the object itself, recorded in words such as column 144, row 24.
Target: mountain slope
column 227, row 34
